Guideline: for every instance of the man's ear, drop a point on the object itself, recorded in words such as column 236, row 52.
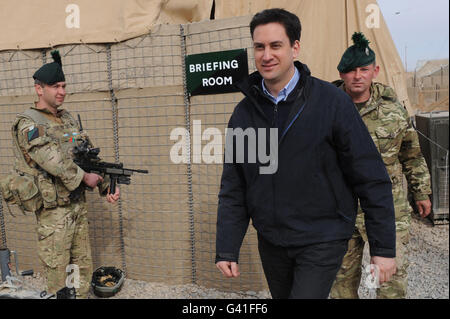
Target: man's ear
column 39, row 89
column 296, row 49
column 376, row 71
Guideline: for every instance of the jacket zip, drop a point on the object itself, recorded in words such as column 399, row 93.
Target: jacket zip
column 292, row 122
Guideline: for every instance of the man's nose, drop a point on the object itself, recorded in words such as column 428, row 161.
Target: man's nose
column 61, row 91
column 267, row 54
column 357, row 73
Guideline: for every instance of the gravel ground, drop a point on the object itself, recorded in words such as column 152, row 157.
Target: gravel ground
column 428, row 273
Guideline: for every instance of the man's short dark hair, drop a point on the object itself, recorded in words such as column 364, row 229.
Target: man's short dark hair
column 290, row 21
column 40, row 83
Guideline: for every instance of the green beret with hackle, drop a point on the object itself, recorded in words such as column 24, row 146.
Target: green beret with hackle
column 358, row 55
column 51, row 73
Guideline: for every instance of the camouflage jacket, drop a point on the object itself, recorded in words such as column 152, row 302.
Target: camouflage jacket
column 397, row 141
column 47, row 150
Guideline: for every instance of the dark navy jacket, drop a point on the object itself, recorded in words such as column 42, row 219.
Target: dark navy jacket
column 326, row 161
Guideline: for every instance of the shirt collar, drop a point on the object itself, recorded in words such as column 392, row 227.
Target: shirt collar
column 59, row 112
column 284, row 93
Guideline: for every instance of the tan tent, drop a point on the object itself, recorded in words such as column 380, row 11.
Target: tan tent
column 31, row 24
column 327, row 26
column 131, row 95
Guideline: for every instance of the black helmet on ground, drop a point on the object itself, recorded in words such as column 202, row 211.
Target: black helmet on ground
column 107, row 281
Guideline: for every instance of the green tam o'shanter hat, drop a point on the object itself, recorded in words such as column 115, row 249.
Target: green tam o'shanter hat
column 51, row 73
column 358, row 55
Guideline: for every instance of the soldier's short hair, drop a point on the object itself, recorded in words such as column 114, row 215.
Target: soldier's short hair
column 288, row 20
column 40, row 83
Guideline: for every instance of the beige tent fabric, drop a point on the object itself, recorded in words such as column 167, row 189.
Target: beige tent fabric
column 31, row 24
column 327, row 28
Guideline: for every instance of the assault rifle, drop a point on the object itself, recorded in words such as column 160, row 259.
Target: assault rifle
column 87, row 158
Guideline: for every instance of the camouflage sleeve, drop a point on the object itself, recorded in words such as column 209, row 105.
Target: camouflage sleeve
column 47, row 154
column 413, row 163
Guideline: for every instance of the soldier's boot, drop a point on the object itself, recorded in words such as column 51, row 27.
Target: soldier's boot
column 348, row 277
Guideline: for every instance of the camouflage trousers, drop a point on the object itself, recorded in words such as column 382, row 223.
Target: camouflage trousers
column 63, row 240
column 348, row 278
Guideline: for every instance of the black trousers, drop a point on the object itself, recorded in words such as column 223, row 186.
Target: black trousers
column 306, row 272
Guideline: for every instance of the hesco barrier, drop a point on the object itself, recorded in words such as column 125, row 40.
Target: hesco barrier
column 130, row 96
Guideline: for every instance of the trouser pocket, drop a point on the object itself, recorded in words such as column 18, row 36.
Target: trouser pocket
column 46, row 246
column 55, row 232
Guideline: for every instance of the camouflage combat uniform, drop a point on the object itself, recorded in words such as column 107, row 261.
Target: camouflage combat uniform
column 62, row 224
column 398, row 144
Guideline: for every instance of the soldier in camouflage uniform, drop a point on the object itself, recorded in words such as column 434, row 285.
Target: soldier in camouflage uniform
column 45, row 136
column 390, row 127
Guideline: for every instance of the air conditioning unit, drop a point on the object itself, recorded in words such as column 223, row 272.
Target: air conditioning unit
column 433, row 131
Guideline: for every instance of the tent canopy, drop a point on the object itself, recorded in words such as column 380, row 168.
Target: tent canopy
column 31, row 24
column 327, row 26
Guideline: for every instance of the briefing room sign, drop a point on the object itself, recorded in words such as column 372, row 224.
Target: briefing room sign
column 215, row 72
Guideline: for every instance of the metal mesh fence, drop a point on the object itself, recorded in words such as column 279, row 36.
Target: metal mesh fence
column 16, row 69
column 152, row 60
column 155, row 206
column 130, row 97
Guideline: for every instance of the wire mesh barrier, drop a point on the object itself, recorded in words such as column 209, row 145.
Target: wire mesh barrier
column 16, row 68
column 130, row 97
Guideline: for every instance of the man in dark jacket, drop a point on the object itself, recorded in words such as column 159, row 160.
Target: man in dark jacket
column 305, row 210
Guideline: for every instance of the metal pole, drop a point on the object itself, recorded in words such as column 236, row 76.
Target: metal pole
column 115, row 114
column 2, row 226
column 189, row 168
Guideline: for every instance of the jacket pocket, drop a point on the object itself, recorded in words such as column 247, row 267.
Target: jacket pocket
column 386, row 139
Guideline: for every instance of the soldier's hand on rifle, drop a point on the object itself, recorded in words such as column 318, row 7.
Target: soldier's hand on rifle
column 92, row 179
column 112, row 198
